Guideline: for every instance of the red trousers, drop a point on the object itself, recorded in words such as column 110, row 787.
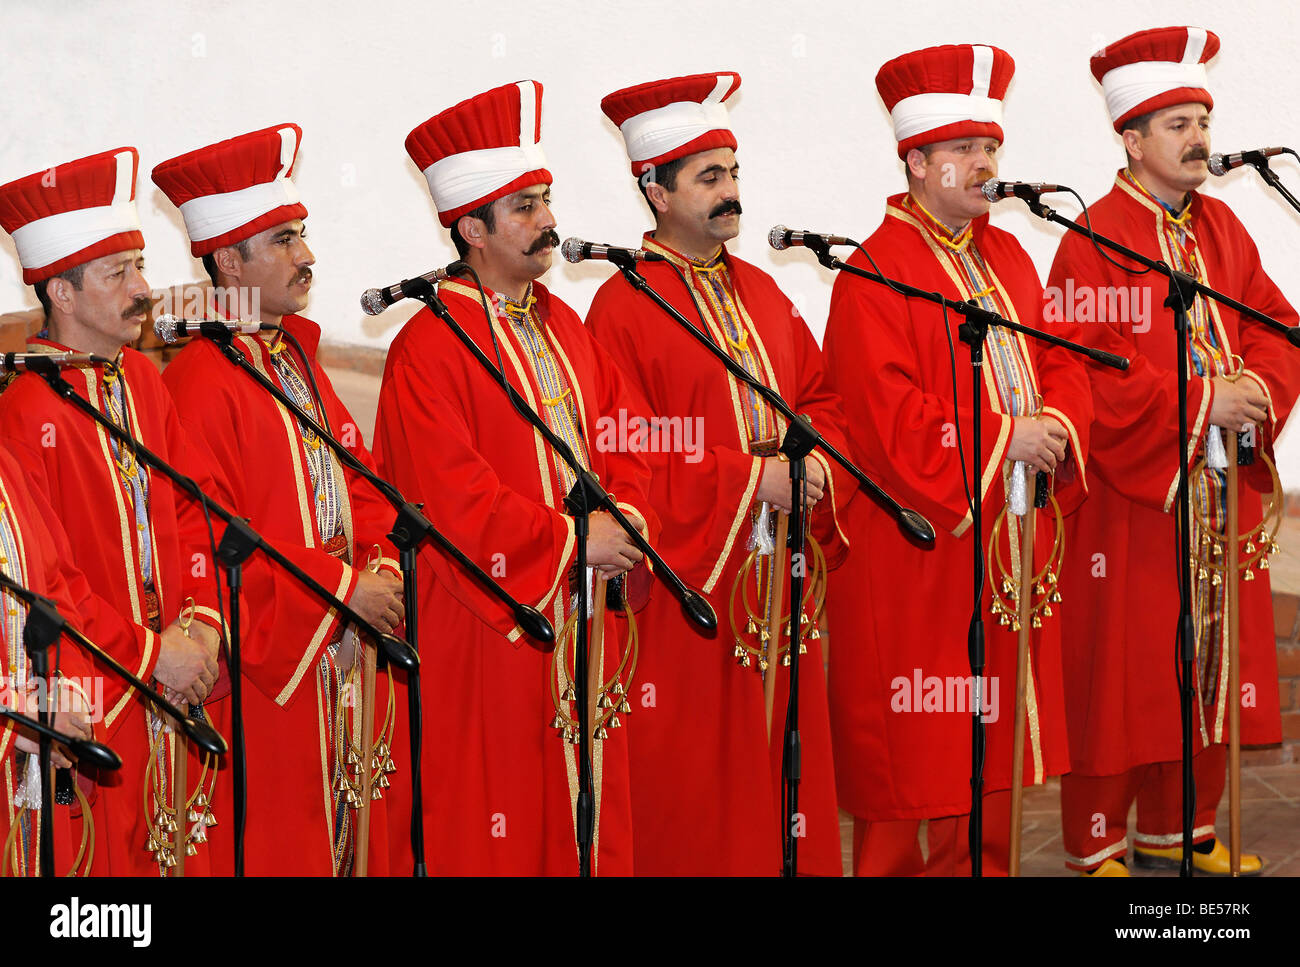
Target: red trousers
column 893, row 848
column 1094, row 809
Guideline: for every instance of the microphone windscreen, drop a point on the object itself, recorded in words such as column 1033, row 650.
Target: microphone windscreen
column 776, row 237
column 571, row 249
column 164, row 328
column 372, row 302
column 1216, row 164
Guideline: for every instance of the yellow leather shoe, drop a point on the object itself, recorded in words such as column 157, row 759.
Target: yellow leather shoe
column 1217, row 862
column 1108, row 868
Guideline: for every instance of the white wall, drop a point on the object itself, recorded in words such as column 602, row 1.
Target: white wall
column 815, row 145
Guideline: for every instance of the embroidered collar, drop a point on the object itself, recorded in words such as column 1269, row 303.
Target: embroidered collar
column 718, row 261
column 1178, row 218
column 517, row 310
column 957, row 241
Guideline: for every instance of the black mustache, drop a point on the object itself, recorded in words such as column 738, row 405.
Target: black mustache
column 726, row 208
column 548, row 237
column 1197, row 154
column 143, row 304
column 304, row 275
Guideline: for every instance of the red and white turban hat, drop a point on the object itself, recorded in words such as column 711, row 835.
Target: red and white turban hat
column 232, row 190
column 1155, row 69
column 482, row 149
column 948, row 92
column 665, row 120
column 73, row 213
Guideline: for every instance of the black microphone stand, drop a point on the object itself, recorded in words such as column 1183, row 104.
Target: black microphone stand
column 409, row 529
column 237, row 544
column 586, row 496
column 87, row 751
column 1259, row 162
column 800, row 440
column 1183, row 288
column 972, row 332
column 93, row 753
column 43, row 627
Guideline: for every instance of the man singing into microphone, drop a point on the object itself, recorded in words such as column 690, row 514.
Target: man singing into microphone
column 706, row 777
column 500, row 759
column 1119, row 652
column 902, row 744
column 78, row 238
column 302, row 711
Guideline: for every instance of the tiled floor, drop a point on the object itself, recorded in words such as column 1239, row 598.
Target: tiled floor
column 1270, row 794
column 1270, row 817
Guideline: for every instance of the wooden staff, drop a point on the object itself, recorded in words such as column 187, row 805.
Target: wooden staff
column 776, row 585
column 362, row 846
column 595, row 648
column 369, row 655
column 180, row 788
column 1234, row 666
column 181, row 760
column 1022, row 672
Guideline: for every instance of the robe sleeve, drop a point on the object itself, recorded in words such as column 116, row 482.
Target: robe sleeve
column 285, row 626
column 134, row 646
column 1067, row 397
column 1135, row 413
column 372, row 515
column 525, row 545
column 813, row 397
column 710, row 490
column 49, row 575
column 1269, row 359
column 905, row 434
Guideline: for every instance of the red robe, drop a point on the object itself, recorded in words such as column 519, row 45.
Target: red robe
column 68, row 460
column 500, row 784
column 1119, row 644
column 706, row 781
column 287, row 717
column 38, row 566
column 897, row 756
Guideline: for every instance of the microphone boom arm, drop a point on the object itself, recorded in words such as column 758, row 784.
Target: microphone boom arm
column 693, row 604
column 909, row 520
column 410, row 516
column 398, row 651
column 201, row 732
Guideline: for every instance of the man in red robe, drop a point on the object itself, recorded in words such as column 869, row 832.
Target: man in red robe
column 304, row 700
column 1119, row 651
column 500, row 749
column 29, row 556
column 79, row 242
column 706, row 776
column 900, row 679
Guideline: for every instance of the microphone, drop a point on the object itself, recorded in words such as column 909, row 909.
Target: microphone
column 169, row 328
column 997, row 190
column 781, row 237
column 1221, row 164
column 576, row 250
column 375, row 301
column 47, row 362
